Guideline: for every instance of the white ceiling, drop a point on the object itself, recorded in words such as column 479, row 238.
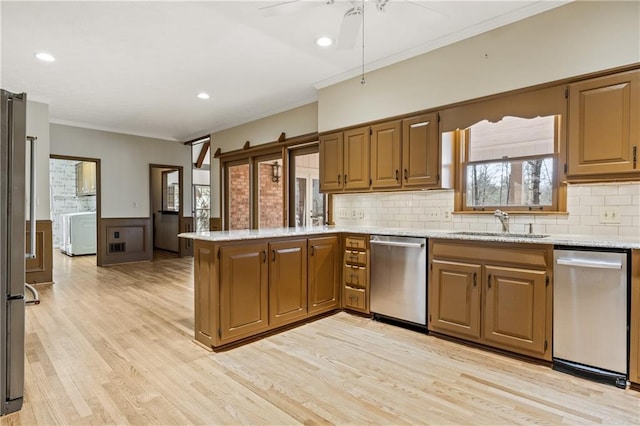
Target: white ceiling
column 136, row 67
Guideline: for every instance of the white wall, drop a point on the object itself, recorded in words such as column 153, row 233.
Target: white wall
column 125, row 163
column 571, row 40
column 38, row 126
column 295, row 122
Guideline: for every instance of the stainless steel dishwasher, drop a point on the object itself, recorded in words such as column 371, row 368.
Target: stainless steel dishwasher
column 590, row 314
column 399, row 278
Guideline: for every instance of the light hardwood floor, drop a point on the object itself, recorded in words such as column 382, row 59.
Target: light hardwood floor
column 114, row 346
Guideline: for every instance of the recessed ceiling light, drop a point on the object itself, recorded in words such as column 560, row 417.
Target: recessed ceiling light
column 203, row 95
column 324, row 41
column 46, row 57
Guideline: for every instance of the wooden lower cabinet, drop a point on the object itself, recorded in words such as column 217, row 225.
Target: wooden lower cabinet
column 497, row 295
column 324, row 274
column 455, row 298
column 287, row 281
column 245, row 288
column 243, row 291
column 514, row 308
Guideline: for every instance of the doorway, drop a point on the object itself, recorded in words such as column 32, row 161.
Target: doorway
column 74, row 190
column 307, row 202
column 166, row 203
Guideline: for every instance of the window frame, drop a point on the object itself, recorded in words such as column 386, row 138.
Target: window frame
column 558, row 198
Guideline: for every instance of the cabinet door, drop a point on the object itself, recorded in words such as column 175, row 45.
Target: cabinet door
column 515, row 308
column 604, row 125
column 454, row 298
column 243, row 290
column 324, row 274
column 386, row 161
column 356, row 158
column 331, row 162
column 89, row 177
column 80, row 184
column 420, row 151
column 287, row 281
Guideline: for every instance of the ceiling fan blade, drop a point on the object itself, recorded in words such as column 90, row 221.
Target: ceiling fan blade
column 350, row 28
column 280, row 8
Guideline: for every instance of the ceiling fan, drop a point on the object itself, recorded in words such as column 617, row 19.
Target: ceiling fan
column 351, row 21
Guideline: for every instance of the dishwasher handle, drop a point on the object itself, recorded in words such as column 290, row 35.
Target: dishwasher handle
column 584, row 263
column 396, row 244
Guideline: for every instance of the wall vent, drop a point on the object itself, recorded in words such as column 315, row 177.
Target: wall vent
column 117, row 247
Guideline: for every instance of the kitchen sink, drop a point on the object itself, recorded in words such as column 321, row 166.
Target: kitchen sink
column 500, row 234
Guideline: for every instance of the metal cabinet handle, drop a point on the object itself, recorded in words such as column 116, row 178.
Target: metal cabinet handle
column 406, row 175
column 32, row 200
column 264, row 256
column 635, row 156
column 274, row 255
column 489, row 281
column 475, row 279
column 345, row 179
column 397, row 175
column 338, row 179
column 313, row 250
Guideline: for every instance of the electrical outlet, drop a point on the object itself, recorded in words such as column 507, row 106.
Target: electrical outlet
column 446, row 216
column 360, row 213
column 354, row 213
column 610, row 215
column 614, row 215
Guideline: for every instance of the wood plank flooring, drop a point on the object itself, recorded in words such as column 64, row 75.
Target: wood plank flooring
column 114, row 346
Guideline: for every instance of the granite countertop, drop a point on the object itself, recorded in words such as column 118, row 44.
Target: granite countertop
column 598, row 241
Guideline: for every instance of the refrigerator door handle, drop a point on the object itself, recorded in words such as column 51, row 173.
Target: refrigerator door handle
column 32, row 198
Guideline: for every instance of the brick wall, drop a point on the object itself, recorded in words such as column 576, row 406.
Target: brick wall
column 270, row 212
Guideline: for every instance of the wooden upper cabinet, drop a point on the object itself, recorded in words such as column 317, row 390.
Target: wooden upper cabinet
column 386, row 158
column 454, row 298
column 357, row 144
column 515, row 308
column 420, row 151
column 324, row 274
column 287, row 281
column 331, row 162
column 243, row 291
column 604, row 127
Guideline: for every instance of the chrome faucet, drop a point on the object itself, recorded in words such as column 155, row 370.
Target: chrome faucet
column 504, row 219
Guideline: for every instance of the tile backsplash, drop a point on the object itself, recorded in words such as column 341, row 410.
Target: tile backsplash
column 587, row 205
column 62, row 180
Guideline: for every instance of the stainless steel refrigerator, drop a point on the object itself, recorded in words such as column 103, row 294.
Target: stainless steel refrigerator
column 12, row 249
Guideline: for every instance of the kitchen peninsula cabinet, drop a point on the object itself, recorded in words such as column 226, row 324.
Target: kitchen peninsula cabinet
column 247, row 287
column 496, row 294
column 344, row 160
column 243, row 290
column 604, row 128
column 324, row 274
column 287, row 281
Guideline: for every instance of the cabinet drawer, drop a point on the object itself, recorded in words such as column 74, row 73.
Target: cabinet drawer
column 355, row 276
column 359, row 257
column 355, row 298
column 359, row 243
